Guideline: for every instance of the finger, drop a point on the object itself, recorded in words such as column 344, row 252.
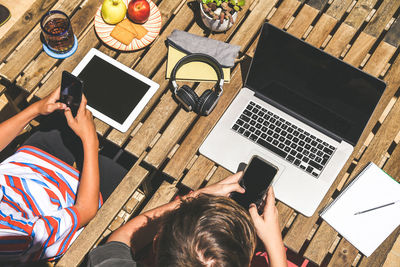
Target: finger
column 55, row 106
column 56, row 93
column 270, row 200
column 235, row 178
column 68, row 116
column 254, row 213
column 82, row 106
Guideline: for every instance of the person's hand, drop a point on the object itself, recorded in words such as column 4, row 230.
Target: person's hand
column 49, row 104
column 224, row 187
column 82, row 124
column 267, row 224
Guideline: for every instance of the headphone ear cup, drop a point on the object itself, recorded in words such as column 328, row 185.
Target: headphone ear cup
column 188, row 97
column 207, row 102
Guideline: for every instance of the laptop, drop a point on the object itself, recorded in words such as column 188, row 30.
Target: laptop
column 300, row 109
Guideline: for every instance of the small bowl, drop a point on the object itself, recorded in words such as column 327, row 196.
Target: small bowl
column 216, row 25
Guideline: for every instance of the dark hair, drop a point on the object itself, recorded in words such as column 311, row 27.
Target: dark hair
column 206, row 231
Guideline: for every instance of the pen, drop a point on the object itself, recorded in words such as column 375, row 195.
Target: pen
column 382, row 206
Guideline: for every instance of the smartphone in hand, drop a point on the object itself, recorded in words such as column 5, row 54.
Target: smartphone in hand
column 256, row 180
column 71, row 91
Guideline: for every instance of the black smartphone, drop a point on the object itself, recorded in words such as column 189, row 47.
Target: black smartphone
column 256, row 180
column 71, row 91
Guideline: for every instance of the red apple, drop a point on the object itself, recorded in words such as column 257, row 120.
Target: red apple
column 138, row 11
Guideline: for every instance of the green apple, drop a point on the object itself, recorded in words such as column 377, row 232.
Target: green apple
column 113, row 11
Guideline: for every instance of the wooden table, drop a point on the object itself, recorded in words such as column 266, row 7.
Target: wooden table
column 165, row 139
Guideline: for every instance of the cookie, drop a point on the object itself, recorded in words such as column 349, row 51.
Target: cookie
column 140, row 30
column 122, row 34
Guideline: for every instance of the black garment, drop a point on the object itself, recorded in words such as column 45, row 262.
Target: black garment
column 56, row 138
column 111, row 254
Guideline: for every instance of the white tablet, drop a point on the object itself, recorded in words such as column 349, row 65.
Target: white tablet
column 115, row 93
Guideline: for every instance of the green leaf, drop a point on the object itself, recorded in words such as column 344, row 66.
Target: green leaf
column 236, row 8
column 241, row 2
column 233, row 2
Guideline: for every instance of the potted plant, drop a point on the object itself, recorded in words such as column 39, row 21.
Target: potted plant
column 219, row 15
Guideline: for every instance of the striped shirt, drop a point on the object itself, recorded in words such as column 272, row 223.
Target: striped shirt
column 38, row 219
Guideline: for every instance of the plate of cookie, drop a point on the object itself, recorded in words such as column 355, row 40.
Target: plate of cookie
column 126, row 35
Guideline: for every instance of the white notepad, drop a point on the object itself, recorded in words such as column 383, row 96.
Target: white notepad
column 366, row 231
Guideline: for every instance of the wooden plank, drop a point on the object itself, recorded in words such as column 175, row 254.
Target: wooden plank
column 317, row 4
column 385, row 50
column 380, row 58
column 164, row 194
column 43, row 63
column 320, row 244
column 352, row 23
column 104, row 217
column 359, row 49
column 344, row 254
column 32, row 44
column 382, row 16
column 359, row 13
column 302, row 21
column 284, row 13
column 327, row 22
column 152, row 59
column 321, row 30
column 367, row 38
column 220, row 174
column 24, row 24
column 197, row 173
column 160, row 116
column 392, row 36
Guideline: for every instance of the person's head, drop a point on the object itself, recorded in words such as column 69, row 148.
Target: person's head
column 206, row 231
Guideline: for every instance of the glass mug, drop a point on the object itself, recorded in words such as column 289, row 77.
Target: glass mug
column 57, row 31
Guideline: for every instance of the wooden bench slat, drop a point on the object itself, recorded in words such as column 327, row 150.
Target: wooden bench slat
column 23, row 26
column 317, row 4
column 359, row 13
column 382, row 16
column 197, row 173
column 164, row 194
column 344, row 254
column 367, row 38
column 32, row 44
column 302, row 21
column 104, row 217
column 352, row 23
column 320, row 244
column 284, row 12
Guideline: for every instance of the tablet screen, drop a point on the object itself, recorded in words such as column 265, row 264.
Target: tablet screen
column 111, row 90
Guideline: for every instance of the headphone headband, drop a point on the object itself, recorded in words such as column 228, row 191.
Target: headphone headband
column 202, row 58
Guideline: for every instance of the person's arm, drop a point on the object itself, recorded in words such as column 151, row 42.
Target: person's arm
column 142, row 229
column 10, row 128
column 87, row 198
column 268, row 230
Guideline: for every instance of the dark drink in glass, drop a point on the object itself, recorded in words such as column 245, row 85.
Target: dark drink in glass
column 57, row 31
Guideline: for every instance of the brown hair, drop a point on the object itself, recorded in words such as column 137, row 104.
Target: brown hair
column 206, row 231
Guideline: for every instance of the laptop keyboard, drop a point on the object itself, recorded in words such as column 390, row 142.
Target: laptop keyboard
column 290, row 142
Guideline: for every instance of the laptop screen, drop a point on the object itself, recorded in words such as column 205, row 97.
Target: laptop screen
column 313, row 84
